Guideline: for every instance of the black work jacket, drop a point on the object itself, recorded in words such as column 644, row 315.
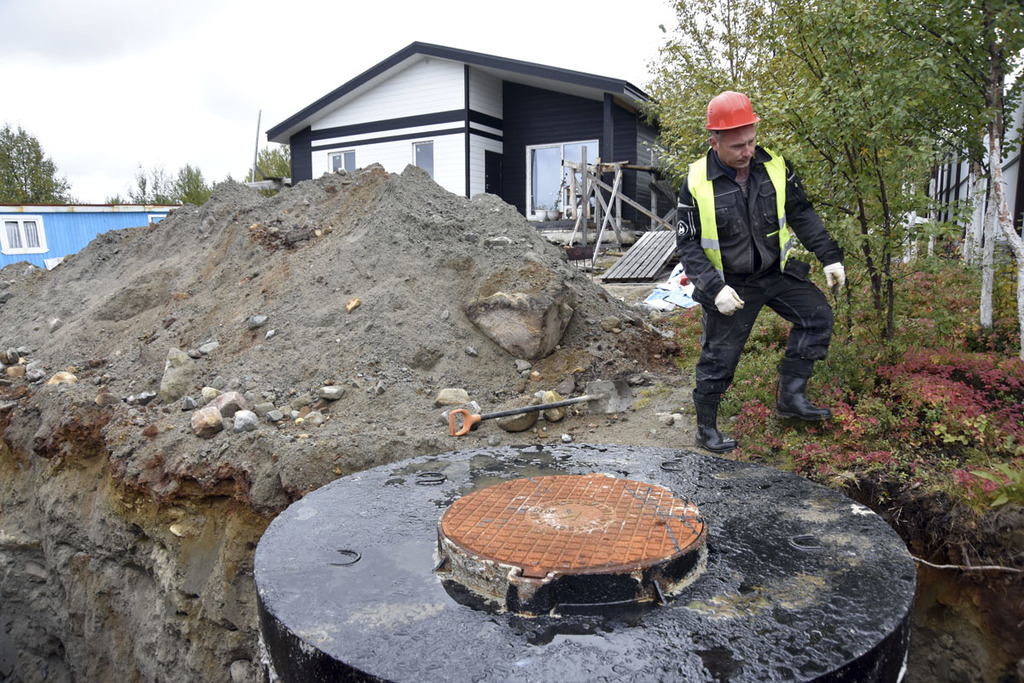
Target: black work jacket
column 747, row 226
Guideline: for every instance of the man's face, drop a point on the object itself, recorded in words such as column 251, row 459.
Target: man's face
column 735, row 147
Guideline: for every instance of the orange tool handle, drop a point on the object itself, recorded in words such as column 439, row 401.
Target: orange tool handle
column 469, row 421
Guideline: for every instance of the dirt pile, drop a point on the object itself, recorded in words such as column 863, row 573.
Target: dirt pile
column 409, row 252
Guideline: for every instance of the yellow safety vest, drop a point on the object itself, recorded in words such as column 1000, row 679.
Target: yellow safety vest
column 703, row 192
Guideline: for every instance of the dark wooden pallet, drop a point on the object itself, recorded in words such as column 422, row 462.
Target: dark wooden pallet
column 645, row 259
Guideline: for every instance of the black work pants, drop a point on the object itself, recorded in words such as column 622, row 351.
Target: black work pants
column 795, row 299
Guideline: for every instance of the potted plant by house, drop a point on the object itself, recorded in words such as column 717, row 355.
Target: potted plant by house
column 555, row 212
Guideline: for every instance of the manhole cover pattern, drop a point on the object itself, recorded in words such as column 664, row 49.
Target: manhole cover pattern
column 573, row 524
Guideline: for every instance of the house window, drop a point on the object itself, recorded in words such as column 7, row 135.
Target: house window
column 423, row 156
column 23, row 235
column 549, row 180
column 343, row 161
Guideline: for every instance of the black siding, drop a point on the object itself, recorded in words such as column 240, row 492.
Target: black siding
column 537, row 117
column 302, row 155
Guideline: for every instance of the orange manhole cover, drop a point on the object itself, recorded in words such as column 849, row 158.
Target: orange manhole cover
column 534, row 545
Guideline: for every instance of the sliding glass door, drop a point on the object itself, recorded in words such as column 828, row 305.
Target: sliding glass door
column 548, row 182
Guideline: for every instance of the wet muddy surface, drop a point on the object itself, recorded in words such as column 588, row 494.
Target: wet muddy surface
column 801, row 583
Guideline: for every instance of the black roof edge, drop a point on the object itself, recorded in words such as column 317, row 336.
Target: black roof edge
column 612, row 85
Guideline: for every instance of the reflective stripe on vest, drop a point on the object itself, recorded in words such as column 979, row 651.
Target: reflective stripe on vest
column 703, row 192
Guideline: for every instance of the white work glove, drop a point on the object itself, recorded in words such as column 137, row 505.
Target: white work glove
column 835, row 274
column 728, row 302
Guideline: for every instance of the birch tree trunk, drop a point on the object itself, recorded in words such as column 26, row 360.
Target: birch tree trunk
column 987, row 264
column 976, row 226
column 1001, row 217
column 998, row 208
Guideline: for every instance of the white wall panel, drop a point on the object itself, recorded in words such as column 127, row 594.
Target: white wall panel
column 449, row 164
column 427, row 86
column 485, row 93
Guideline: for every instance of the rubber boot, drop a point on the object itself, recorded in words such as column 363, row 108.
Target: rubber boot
column 708, row 436
column 791, row 401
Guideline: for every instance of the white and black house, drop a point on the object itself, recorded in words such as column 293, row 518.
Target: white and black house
column 476, row 123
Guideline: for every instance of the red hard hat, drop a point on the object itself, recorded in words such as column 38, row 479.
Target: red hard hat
column 730, row 110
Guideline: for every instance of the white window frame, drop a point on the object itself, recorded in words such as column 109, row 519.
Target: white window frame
column 415, row 145
column 6, row 248
column 592, row 154
column 341, row 154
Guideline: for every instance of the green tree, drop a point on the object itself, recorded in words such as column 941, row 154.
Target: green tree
column 27, row 175
column 190, row 187
column 152, row 187
column 156, row 187
column 271, row 162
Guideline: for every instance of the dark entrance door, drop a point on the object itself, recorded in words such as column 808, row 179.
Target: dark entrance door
column 492, row 173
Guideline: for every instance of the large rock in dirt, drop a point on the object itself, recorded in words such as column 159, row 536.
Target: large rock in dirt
column 178, row 371
column 527, row 325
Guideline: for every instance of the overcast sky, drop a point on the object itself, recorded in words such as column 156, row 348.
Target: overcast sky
column 108, row 85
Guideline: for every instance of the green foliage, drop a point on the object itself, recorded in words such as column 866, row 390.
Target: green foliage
column 27, row 175
column 190, row 187
column 1001, row 486
column 919, row 410
column 271, row 162
column 156, row 187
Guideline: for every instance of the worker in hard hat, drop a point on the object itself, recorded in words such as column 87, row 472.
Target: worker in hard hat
column 740, row 212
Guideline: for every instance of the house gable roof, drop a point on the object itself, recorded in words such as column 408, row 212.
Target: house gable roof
column 527, row 73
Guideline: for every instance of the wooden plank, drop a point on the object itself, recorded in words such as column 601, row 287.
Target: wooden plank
column 645, row 259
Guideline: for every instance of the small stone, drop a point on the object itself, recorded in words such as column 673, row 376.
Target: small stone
column 451, row 396
column 242, row 671
column 314, row 419
column 470, row 351
column 522, row 421
column 331, row 393
column 352, row 304
column 611, row 323
column 300, row 402
column 263, row 409
column 194, row 353
column 142, row 398
column 104, row 397
column 209, row 347
column 207, row 422
column 275, row 416
column 523, row 366
column 269, row 334
column 34, row 374
column 59, row 378
column 246, row 421
column 553, row 414
column 150, row 431
column 16, row 371
column 188, row 403
column 55, row 324
column 667, row 419
column 256, row 321
column 209, row 393
column 229, row 403
column 566, row 438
